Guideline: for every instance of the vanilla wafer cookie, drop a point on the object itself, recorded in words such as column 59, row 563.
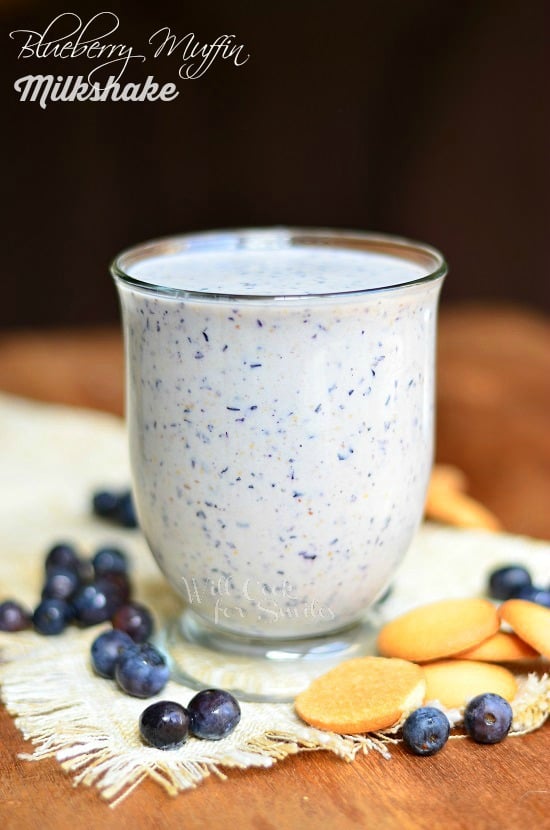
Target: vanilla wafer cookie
column 439, row 629
column 530, row 621
column 362, row 695
column 454, row 682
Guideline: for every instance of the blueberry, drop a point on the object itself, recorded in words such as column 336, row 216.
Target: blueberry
column 530, row 592
column 126, row 513
column 13, row 617
column 504, row 583
column 426, row 731
column 487, row 718
column 109, row 560
column 134, row 619
column 60, row 583
column 117, row 507
column 213, row 714
column 106, row 650
column 105, row 503
column 51, row 616
column 164, row 724
column 120, row 585
column 142, row 671
column 62, row 555
column 95, row 603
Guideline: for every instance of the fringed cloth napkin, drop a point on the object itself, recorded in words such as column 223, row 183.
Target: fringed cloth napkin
column 53, row 458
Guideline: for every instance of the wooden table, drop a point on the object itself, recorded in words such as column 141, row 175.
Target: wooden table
column 493, row 405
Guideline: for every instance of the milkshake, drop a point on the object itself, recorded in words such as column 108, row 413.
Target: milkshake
column 280, row 399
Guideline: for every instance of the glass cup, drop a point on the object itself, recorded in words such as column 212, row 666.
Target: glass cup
column 280, row 408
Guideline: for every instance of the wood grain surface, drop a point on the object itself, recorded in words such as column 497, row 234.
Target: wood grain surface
column 493, row 407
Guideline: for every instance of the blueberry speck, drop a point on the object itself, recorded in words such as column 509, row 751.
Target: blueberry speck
column 426, row 731
column 213, row 714
column 135, row 620
column 142, row 671
column 164, row 724
column 51, row 616
column 13, row 617
column 488, row 718
column 505, row 582
column 106, row 650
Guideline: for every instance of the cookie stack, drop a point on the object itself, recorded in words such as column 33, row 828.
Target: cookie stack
column 447, row 651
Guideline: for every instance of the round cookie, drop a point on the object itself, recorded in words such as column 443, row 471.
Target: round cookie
column 530, row 621
column 454, row 682
column 362, row 695
column 502, row 647
column 439, row 629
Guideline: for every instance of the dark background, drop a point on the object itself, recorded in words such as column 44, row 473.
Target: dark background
column 426, row 118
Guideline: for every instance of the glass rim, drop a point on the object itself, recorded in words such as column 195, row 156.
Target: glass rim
column 277, row 238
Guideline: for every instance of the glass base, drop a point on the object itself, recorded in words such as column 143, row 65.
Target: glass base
column 202, row 656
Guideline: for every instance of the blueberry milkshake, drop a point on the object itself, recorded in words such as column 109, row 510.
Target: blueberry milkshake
column 280, row 396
